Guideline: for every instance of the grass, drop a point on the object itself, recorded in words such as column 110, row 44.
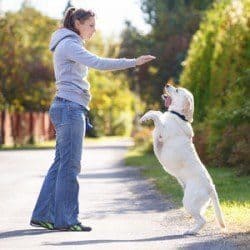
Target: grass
column 41, row 145
column 233, row 190
column 51, row 144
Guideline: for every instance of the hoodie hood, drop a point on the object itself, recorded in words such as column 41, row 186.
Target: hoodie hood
column 60, row 34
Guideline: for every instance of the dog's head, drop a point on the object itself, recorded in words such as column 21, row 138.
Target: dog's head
column 179, row 100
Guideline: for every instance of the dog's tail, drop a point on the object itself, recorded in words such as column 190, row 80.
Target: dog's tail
column 217, row 208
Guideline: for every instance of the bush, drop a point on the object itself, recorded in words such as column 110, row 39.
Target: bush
column 143, row 139
column 217, row 72
column 112, row 105
column 233, row 149
column 219, row 55
column 200, row 140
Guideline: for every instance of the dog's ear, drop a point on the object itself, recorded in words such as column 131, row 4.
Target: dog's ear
column 188, row 108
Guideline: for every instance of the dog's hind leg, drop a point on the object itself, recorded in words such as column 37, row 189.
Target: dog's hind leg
column 200, row 222
column 181, row 183
column 196, row 205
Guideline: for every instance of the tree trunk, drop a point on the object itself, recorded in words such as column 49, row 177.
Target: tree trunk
column 2, row 129
column 13, row 127
column 31, row 128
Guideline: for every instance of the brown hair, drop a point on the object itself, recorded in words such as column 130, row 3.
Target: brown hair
column 72, row 14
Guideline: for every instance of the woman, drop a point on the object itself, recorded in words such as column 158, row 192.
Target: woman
column 57, row 205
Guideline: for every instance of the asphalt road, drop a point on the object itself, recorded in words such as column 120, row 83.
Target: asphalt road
column 123, row 209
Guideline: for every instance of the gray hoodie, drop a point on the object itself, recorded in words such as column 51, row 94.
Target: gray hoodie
column 71, row 62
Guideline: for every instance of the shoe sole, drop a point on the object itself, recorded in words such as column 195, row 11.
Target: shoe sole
column 39, row 224
column 73, row 230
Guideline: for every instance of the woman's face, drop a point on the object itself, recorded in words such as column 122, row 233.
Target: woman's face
column 87, row 28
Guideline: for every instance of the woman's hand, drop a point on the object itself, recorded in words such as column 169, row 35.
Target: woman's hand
column 144, row 59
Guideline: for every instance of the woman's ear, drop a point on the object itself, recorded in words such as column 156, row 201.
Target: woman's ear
column 77, row 24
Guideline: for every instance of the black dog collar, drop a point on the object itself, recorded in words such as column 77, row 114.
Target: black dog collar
column 178, row 114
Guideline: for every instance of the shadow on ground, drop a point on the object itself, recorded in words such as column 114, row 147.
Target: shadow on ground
column 88, row 242
column 233, row 241
column 142, row 198
column 23, row 232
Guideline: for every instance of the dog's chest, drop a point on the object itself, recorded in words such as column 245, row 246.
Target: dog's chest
column 166, row 154
column 158, row 146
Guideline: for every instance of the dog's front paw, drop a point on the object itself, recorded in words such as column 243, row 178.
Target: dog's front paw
column 147, row 116
column 143, row 119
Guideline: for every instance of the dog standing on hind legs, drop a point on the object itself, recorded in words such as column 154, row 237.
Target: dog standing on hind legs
column 173, row 147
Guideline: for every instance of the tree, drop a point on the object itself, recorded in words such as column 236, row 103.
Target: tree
column 218, row 55
column 217, row 72
column 26, row 71
column 173, row 24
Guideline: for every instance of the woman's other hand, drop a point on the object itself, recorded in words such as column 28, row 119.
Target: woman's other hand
column 144, row 59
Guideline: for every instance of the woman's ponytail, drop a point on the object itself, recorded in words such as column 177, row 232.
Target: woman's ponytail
column 68, row 21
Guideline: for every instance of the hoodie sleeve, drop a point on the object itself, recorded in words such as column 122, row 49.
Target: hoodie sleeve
column 77, row 53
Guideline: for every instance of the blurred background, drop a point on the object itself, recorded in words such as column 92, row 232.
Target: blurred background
column 202, row 45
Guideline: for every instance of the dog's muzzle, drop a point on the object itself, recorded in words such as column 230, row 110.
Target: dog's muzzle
column 167, row 100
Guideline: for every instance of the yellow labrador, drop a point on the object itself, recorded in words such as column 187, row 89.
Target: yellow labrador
column 173, row 146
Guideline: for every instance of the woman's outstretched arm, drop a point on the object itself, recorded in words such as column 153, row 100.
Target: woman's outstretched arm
column 77, row 53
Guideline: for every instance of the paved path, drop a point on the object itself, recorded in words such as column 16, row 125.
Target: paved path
column 124, row 210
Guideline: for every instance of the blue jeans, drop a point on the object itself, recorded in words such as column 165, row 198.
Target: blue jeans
column 58, row 199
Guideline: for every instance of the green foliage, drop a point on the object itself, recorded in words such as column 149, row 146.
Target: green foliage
column 173, row 24
column 134, row 44
column 217, row 72
column 112, row 105
column 26, row 72
column 218, row 55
